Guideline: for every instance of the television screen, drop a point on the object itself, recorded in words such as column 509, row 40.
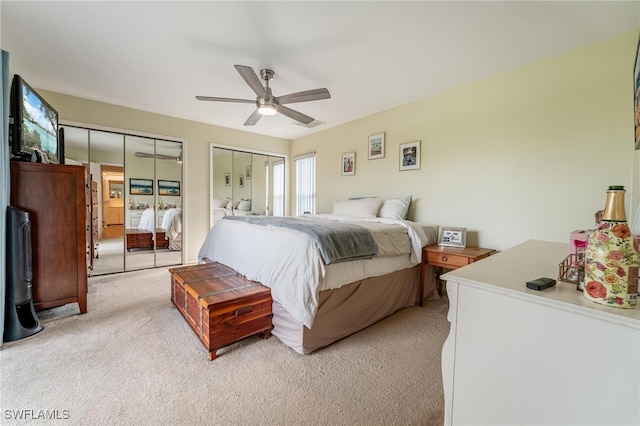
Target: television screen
column 36, row 124
column 636, row 94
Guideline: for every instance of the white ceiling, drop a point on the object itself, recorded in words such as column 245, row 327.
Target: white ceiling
column 372, row 56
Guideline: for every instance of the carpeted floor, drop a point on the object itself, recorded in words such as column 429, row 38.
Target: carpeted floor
column 133, row 360
column 112, row 257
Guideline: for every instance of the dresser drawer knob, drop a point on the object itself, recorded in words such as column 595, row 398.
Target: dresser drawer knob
column 444, row 258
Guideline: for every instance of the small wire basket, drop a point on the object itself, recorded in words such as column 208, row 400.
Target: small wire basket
column 571, row 270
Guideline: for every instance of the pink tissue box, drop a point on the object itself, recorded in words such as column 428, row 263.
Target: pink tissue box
column 578, row 240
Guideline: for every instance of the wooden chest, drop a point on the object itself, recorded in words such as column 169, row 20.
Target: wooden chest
column 220, row 305
column 139, row 238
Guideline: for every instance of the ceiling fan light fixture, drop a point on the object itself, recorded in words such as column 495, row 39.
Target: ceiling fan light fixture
column 267, row 109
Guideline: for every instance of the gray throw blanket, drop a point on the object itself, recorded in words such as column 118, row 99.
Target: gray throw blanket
column 337, row 241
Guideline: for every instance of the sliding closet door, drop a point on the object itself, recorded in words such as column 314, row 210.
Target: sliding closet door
column 103, row 154
column 246, row 183
column 169, row 202
column 140, row 189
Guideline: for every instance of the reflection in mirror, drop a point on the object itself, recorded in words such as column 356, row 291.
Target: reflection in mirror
column 241, row 184
column 103, row 153
column 169, row 203
column 116, row 189
column 221, row 169
column 140, row 218
column 115, row 210
column 245, row 183
column 277, row 199
column 260, row 184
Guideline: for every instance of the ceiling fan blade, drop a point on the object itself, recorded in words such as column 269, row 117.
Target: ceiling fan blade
column 213, row 98
column 250, row 76
column 298, row 116
column 165, row 157
column 156, row 156
column 143, row 154
column 307, row 95
column 253, row 118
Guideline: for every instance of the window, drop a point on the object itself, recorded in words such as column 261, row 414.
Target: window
column 305, row 183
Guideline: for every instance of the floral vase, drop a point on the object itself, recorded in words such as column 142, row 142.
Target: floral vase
column 611, row 261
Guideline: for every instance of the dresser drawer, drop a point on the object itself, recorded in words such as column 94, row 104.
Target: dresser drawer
column 447, row 260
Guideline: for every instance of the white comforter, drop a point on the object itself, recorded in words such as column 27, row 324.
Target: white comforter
column 172, row 223
column 147, row 220
column 290, row 264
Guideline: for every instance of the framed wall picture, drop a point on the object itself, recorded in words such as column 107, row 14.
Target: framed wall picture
column 247, row 172
column 241, row 181
column 227, row 179
column 168, row 187
column 452, row 237
column 410, row 156
column 349, row 164
column 376, row 146
column 140, row 186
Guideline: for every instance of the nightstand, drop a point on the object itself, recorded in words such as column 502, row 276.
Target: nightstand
column 443, row 257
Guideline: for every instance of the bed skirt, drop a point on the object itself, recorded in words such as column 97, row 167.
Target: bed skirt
column 351, row 308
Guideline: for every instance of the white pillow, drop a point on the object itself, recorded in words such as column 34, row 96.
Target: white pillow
column 365, row 207
column 217, row 203
column 244, row 205
column 396, row 208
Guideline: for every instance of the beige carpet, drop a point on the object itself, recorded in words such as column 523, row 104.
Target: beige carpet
column 133, row 360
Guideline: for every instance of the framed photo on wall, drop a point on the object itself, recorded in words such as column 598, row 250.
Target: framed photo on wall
column 349, row 164
column 410, row 156
column 168, row 187
column 452, row 237
column 376, row 146
column 140, row 186
column 241, row 181
column 227, row 179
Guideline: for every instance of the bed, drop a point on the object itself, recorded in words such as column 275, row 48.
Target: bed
column 172, row 227
column 317, row 299
column 221, row 207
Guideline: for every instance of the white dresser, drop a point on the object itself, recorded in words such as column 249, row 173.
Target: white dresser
column 517, row 356
column 133, row 218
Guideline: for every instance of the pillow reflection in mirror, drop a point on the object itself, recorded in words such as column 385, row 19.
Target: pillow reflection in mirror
column 219, row 203
column 244, row 205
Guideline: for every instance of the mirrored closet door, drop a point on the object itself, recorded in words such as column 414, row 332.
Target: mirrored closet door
column 245, row 183
column 136, row 198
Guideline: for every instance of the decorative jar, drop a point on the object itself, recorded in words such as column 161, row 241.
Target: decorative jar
column 611, row 260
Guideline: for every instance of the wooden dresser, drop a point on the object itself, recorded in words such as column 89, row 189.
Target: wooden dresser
column 55, row 197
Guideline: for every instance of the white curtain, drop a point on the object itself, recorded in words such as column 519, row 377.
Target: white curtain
column 4, row 185
column 305, row 183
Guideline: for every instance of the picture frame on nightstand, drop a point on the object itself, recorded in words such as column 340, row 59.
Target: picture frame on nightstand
column 452, row 236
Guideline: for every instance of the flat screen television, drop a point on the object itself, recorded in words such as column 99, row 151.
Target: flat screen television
column 35, row 125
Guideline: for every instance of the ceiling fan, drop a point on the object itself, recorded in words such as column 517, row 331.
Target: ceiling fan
column 157, row 156
column 266, row 103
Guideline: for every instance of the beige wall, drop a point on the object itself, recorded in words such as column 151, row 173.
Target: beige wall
column 197, row 137
column 527, row 154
